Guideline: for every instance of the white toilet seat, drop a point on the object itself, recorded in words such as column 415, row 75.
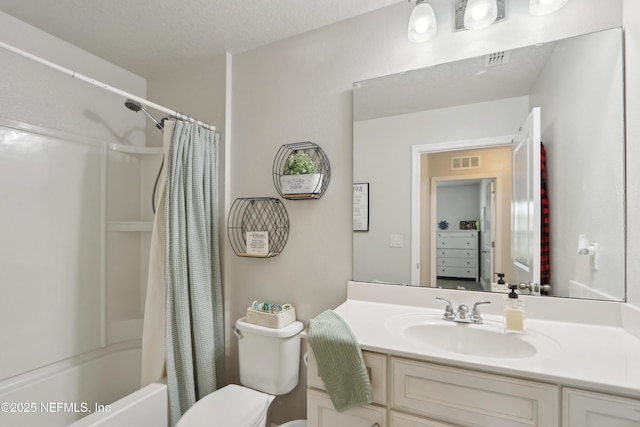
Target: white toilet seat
column 232, row 405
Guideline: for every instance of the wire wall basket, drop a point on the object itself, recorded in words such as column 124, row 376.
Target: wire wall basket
column 301, row 171
column 258, row 227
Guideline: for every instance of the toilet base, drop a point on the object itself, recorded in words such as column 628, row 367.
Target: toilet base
column 295, row 423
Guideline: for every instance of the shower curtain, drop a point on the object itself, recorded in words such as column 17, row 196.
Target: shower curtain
column 192, row 302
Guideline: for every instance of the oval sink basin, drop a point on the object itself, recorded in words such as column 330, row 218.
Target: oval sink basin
column 485, row 340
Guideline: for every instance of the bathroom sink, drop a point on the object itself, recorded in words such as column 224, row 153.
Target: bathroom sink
column 485, row 340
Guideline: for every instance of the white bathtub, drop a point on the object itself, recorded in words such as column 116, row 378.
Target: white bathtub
column 73, row 389
column 146, row 407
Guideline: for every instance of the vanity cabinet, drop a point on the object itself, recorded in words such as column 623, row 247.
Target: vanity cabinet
column 469, row 398
column 421, row 394
column 589, row 409
column 320, row 410
column 457, row 254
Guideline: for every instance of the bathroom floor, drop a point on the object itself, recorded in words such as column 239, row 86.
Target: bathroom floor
column 464, row 284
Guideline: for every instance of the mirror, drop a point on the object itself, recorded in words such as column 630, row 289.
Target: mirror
column 420, row 131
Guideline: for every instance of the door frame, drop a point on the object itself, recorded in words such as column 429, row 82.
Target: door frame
column 416, row 187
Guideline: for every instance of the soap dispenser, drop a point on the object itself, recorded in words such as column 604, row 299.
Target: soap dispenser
column 513, row 311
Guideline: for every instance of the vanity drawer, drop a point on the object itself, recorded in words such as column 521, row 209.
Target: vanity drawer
column 398, row 419
column 471, row 398
column 376, row 365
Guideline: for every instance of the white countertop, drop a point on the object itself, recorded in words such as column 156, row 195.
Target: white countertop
column 589, row 356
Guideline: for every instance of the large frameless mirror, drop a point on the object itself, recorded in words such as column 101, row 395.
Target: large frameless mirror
column 454, row 173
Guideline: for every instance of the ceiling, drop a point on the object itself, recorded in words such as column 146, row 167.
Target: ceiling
column 139, row 35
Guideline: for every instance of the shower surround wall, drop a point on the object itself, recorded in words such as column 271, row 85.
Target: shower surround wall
column 75, row 197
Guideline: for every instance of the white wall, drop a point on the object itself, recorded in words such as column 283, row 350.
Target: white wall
column 33, row 93
column 631, row 21
column 458, row 203
column 300, row 89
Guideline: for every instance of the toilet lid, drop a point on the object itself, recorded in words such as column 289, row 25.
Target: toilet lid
column 232, row 405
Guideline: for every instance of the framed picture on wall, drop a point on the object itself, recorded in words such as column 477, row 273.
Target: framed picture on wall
column 361, row 207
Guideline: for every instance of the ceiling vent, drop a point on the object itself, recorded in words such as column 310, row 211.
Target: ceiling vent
column 497, row 58
column 470, row 162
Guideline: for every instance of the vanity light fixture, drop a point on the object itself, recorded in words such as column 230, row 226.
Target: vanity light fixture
column 422, row 22
column 544, row 7
column 478, row 14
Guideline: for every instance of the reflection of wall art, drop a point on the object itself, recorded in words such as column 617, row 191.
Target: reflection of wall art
column 361, row 207
column 468, row 225
column 443, row 225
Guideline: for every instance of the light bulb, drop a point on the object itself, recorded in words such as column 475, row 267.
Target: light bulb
column 480, row 14
column 544, row 7
column 422, row 23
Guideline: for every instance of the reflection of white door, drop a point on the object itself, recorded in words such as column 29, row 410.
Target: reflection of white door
column 525, row 204
column 487, row 234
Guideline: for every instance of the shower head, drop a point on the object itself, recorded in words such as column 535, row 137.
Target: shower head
column 132, row 105
column 136, row 106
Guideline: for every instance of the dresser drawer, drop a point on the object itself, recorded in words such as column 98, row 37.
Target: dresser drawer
column 456, row 262
column 456, row 243
column 456, row 253
column 470, row 398
column 376, row 365
column 456, row 271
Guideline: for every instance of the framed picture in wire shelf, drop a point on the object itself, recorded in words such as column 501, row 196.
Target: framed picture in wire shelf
column 361, row 207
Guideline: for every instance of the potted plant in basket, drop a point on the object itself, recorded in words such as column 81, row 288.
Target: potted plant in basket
column 300, row 174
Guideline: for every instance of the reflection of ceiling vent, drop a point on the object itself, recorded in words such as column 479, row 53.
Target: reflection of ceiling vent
column 497, row 58
column 465, row 162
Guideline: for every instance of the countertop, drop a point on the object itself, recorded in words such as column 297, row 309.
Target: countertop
column 588, row 356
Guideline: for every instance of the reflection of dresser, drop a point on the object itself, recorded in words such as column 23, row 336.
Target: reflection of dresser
column 457, row 254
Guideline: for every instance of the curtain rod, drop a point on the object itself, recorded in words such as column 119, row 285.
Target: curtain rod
column 105, row 86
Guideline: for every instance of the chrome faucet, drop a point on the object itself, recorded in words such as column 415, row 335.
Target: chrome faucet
column 462, row 314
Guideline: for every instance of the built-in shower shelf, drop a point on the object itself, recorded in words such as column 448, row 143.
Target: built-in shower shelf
column 135, row 226
column 131, row 149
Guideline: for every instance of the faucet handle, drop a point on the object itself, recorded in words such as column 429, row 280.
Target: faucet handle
column 448, row 311
column 476, row 317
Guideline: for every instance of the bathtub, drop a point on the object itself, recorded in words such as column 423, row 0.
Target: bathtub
column 146, row 407
column 98, row 388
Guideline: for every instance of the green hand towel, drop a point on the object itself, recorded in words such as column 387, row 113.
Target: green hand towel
column 340, row 362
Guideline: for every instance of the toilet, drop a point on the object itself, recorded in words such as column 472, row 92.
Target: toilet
column 269, row 361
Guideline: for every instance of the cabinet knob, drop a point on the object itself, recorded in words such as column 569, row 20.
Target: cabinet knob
column 375, row 425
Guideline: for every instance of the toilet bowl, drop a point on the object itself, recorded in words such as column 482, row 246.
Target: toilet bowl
column 232, row 405
column 269, row 361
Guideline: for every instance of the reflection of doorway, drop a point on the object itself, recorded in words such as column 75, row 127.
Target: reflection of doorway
column 466, row 203
column 438, row 160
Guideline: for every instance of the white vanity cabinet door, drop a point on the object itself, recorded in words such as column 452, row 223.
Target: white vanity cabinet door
column 588, row 409
column 376, row 365
column 321, row 413
column 398, row 419
column 471, row 398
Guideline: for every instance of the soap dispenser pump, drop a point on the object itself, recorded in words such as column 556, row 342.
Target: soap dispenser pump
column 513, row 311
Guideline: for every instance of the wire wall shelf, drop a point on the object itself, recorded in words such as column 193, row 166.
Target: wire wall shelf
column 258, row 227
column 295, row 182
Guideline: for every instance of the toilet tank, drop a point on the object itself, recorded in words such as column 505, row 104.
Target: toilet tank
column 269, row 358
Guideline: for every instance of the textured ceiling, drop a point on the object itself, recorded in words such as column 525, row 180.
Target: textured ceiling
column 139, row 35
